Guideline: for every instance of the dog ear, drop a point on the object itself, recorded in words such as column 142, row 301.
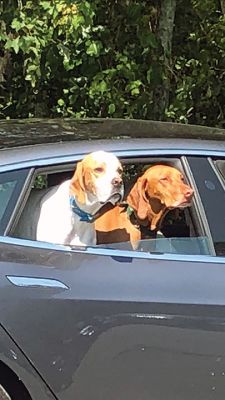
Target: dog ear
column 137, row 199
column 77, row 184
column 148, row 210
column 157, row 212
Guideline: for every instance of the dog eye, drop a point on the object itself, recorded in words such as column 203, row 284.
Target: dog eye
column 99, row 170
column 120, row 171
column 164, row 178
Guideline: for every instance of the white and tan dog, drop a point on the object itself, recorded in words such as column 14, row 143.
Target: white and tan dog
column 67, row 212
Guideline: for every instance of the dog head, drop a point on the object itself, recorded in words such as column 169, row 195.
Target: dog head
column 160, row 188
column 98, row 178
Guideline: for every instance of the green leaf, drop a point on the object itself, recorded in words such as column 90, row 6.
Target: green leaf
column 61, row 102
column 94, row 48
column 8, row 44
column 16, row 24
column 13, row 44
column 34, row 50
column 111, row 108
column 102, row 87
column 135, row 91
column 46, row 5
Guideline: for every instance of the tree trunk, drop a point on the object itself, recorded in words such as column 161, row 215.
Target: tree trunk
column 165, row 35
column 222, row 3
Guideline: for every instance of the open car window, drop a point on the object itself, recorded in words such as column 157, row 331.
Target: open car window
column 182, row 231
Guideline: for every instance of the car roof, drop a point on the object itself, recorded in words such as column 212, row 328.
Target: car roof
column 29, row 140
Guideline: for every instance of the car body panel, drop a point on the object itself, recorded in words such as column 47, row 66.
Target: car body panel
column 114, row 324
column 12, row 356
column 124, row 324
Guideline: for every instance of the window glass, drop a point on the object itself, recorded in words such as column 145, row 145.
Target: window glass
column 175, row 245
column 210, row 186
column 6, row 190
column 220, row 243
column 11, row 184
column 220, row 166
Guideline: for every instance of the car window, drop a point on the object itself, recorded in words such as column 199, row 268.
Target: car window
column 11, row 184
column 6, row 190
column 181, row 233
column 220, row 168
column 212, row 193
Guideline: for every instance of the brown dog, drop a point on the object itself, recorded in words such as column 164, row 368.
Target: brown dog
column 160, row 189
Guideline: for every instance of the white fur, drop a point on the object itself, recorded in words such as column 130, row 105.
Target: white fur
column 53, row 219
column 58, row 223
column 103, row 183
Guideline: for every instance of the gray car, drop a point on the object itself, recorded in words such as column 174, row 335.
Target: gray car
column 109, row 322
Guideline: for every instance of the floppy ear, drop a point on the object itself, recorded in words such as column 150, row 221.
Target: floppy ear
column 150, row 210
column 77, row 184
column 137, row 199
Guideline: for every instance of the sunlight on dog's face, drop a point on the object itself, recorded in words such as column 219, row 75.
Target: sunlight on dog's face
column 106, row 172
column 167, row 184
column 98, row 177
column 161, row 187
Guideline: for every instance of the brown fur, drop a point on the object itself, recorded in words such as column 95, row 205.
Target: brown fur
column 158, row 190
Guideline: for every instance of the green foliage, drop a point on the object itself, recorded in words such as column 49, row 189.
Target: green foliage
column 40, row 182
column 84, row 58
column 198, row 90
column 104, row 58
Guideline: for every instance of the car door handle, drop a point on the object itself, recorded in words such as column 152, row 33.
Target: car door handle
column 28, row 281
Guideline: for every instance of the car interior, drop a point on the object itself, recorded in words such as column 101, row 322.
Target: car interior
column 181, row 232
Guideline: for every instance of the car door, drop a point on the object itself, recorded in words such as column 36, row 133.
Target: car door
column 115, row 324
column 104, row 325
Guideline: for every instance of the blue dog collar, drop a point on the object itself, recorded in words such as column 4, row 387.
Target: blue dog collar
column 84, row 216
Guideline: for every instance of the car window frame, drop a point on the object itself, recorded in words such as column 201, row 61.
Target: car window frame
column 53, row 164
column 118, row 255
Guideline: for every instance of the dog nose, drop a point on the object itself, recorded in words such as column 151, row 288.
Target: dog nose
column 117, row 182
column 189, row 192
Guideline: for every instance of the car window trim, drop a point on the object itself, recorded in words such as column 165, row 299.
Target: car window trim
column 198, row 205
column 58, row 160
column 117, row 254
